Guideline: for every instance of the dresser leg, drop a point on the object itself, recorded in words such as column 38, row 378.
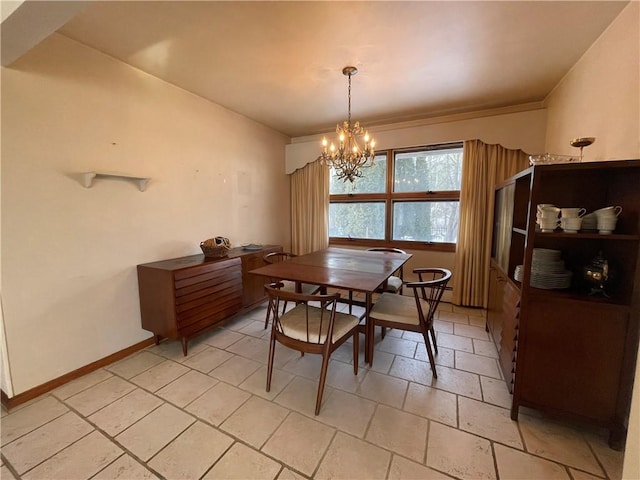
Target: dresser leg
column 157, row 339
column 184, row 346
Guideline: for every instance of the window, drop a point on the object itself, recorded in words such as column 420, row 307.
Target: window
column 409, row 198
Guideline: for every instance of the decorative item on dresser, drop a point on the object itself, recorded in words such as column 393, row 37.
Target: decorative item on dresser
column 183, row 297
column 563, row 349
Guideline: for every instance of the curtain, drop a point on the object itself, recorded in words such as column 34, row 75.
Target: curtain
column 484, row 166
column 310, row 208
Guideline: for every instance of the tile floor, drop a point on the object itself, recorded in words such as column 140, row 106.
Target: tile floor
column 158, row 414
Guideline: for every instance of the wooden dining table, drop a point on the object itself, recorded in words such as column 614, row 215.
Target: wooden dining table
column 356, row 270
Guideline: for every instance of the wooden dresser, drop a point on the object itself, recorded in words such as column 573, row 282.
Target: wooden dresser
column 182, row 297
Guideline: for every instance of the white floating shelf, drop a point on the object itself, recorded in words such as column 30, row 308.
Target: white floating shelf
column 87, row 179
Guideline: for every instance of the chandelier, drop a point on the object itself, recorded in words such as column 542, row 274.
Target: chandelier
column 349, row 158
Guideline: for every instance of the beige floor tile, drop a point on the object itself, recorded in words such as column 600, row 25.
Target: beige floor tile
column 221, row 338
column 94, row 398
column 477, row 321
column 453, row 317
column 29, row 418
column 244, row 463
column 150, row 434
column 192, row 453
column 238, row 323
column 459, row 454
column 135, row 364
column 413, row 336
column 444, row 357
column 256, row 328
column 403, row 469
column 124, row 412
column 207, row 359
column 257, row 382
column 495, row 391
column 579, row 475
column 488, row 421
column 288, row 474
column 398, row 431
column 457, row 381
column 253, row 348
column 186, row 388
column 412, row 370
column 125, row 468
column 353, row 459
column 432, row 403
column 443, row 326
column 31, row 449
column 162, row 374
column 383, row 389
column 479, row 364
column 217, row 403
column 172, row 349
column 471, row 331
column 300, row 395
column 471, row 311
column 306, row 366
column 235, row 370
column 6, row 474
column 485, row 348
column 80, row 460
column 79, row 384
column 347, row 412
column 255, row 421
column 344, row 353
column 611, row 460
column 455, row 342
column 340, row 375
column 517, row 465
column 300, row 442
column 381, row 362
column 559, row 443
column 397, row 346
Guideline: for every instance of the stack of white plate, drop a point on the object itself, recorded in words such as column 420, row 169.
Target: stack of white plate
column 547, row 270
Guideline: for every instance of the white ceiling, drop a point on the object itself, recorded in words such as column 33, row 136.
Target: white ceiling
column 280, row 63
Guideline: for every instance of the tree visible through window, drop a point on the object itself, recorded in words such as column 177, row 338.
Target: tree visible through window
column 408, row 198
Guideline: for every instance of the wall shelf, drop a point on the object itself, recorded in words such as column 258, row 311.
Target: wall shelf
column 88, row 177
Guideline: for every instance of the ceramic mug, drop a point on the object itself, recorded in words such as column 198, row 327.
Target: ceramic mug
column 609, row 211
column 573, row 212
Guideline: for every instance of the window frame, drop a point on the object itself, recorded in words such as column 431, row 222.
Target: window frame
column 389, row 197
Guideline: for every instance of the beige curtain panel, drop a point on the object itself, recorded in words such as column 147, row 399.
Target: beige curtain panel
column 484, row 166
column 310, row 208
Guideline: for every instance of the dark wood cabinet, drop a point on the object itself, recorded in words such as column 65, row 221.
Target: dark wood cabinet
column 573, row 352
column 182, row 297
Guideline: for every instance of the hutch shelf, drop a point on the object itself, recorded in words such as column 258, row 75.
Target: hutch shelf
column 569, row 353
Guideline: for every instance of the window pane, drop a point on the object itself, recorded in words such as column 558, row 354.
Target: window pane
column 428, row 170
column 357, row 220
column 426, row 221
column 373, row 179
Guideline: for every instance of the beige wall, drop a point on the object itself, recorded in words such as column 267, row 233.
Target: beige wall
column 69, row 285
column 599, row 97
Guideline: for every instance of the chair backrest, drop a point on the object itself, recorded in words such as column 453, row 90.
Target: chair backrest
column 430, row 287
column 390, row 250
column 310, row 321
column 275, row 257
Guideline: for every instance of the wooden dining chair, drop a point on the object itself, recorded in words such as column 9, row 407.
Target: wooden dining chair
column 312, row 326
column 414, row 314
column 298, row 287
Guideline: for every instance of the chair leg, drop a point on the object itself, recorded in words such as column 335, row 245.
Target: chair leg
column 272, row 351
column 432, row 360
column 384, row 331
column 350, row 301
column 433, row 337
column 266, row 320
column 356, row 350
column 323, row 377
